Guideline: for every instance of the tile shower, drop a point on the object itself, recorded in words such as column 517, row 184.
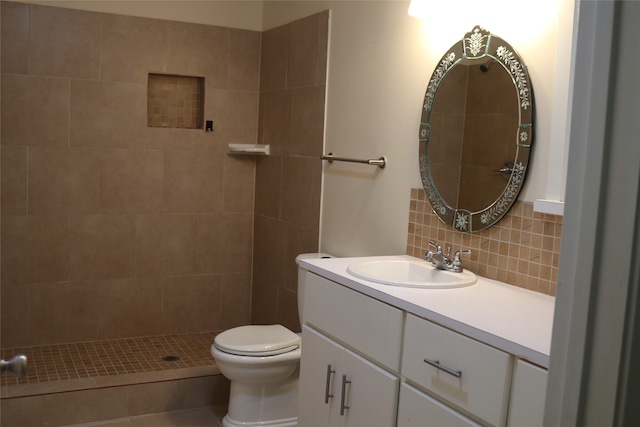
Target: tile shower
column 114, row 230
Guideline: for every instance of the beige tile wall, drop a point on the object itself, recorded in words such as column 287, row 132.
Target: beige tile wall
column 111, row 228
column 523, row 249
column 292, row 87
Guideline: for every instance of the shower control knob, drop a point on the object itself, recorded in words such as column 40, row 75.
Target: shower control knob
column 17, row 366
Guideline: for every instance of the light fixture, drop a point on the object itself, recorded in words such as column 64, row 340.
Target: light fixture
column 418, row 8
column 445, row 20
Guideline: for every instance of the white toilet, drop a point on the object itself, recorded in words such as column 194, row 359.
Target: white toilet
column 262, row 362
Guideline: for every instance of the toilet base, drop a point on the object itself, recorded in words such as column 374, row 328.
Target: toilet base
column 228, row 422
column 268, row 405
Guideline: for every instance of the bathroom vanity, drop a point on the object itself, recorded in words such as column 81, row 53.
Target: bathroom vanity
column 381, row 355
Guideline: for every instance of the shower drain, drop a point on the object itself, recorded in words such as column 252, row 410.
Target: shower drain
column 170, row 358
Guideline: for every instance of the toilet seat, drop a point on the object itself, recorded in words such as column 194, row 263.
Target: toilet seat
column 257, row 340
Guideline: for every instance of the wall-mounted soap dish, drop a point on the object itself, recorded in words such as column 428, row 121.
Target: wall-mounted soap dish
column 251, row 149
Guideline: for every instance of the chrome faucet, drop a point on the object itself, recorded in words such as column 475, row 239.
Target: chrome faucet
column 437, row 258
column 444, row 262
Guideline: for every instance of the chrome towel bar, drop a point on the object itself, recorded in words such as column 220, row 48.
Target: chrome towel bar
column 381, row 162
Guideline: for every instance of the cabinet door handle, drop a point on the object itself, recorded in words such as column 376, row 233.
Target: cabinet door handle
column 344, row 394
column 327, row 395
column 436, row 364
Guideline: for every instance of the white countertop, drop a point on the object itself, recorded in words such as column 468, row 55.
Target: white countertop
column 512, row 319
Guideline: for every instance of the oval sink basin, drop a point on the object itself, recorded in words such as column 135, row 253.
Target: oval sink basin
column 410, row 273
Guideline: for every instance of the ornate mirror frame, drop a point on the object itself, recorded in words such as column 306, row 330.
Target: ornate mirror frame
column 480, row 45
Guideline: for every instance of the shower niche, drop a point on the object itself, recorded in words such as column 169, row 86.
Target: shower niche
column 175, row 101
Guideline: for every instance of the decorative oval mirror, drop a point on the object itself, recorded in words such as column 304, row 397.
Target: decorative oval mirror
column 476, row 132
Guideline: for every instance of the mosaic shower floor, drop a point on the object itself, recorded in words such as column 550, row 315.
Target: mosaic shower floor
column 76, row 366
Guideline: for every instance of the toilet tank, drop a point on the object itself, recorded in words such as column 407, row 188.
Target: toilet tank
column 302, row 274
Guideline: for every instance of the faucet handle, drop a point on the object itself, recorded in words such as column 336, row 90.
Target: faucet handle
column 429, row 255
column 456, row 256
column 435, row 245
column 456, row 265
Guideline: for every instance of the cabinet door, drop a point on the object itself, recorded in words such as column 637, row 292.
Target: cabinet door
column 528, row 392
column 371, row 394
column 319, row 399
column 417, row 409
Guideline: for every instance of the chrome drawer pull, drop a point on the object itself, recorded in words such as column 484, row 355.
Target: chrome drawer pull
column 327, row 395
column 436, row 364
column 344, row 391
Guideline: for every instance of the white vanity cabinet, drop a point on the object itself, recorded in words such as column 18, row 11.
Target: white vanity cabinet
column 409, row 362
column 338, row 386
column 528, row 391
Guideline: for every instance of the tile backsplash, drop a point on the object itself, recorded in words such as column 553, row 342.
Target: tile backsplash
column 522, row 249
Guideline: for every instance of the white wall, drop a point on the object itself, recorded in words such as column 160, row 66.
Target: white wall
column 380, row 60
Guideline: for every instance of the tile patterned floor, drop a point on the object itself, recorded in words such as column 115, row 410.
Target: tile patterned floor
column 94, row 359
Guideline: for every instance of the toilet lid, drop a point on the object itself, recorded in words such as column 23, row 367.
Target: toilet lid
column 257, row 340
